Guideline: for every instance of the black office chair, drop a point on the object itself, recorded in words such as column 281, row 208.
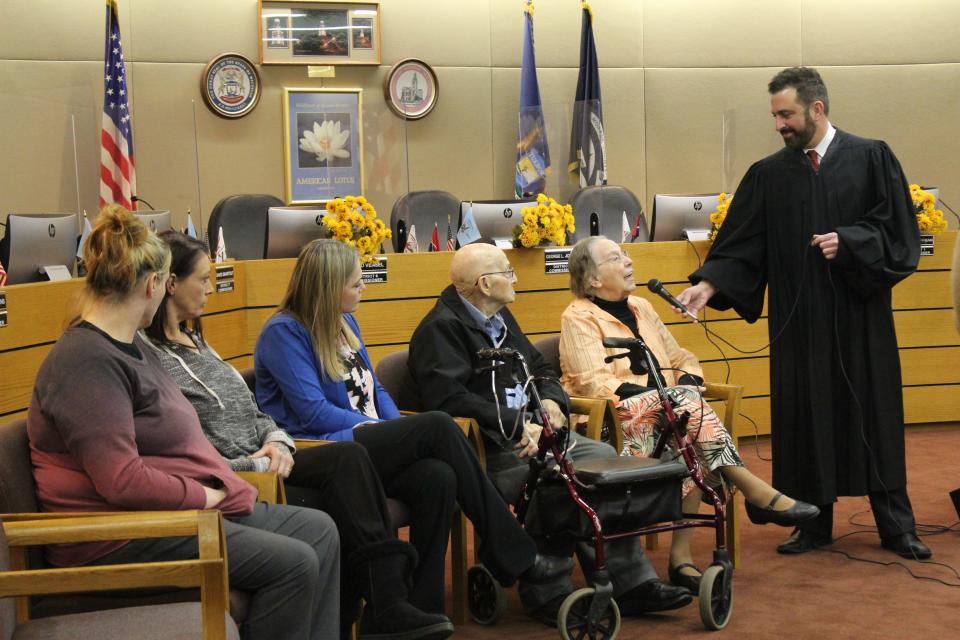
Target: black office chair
column 243, row 218
column 423, row 209
column 599, row 210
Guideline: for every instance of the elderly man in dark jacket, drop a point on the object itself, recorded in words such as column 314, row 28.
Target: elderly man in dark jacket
column 445, row 375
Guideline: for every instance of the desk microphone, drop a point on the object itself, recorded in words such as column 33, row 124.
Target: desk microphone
column 139, row 199
column 657, row 287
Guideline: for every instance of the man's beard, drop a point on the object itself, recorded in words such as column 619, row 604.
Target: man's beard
column 801, row 138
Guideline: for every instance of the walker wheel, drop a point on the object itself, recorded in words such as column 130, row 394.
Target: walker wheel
column 574, row 625
column 486, row 599
column 716, row 598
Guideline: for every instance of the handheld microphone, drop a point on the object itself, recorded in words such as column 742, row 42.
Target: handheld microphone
column 139, row 199
column 657, row 287
column 502, row 353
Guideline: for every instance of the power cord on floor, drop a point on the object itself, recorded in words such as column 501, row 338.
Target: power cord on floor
column 923, row 530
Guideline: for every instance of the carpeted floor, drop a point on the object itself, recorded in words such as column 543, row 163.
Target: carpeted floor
column 822, row 594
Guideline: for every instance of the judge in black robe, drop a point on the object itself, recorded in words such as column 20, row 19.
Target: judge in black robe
column 835, row 388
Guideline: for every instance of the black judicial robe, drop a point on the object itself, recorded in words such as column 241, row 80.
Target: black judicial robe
column 843, row 323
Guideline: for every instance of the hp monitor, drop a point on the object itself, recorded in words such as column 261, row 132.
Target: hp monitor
column 289, row 229
column 495, row 218
column 682, row 217
column 35, row 242
column 157, row 221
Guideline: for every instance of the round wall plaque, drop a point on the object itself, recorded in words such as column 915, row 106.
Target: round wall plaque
column 411, row 89
column 230, row 85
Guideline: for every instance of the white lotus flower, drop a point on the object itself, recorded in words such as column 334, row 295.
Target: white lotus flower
column 326, row 141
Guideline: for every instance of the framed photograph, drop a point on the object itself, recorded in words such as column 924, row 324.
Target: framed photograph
column 322, row 144
column 230, row 85
column 319, row 32
column 411, row 89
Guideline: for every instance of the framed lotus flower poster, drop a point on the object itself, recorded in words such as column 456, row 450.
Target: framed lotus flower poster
column 322, row 144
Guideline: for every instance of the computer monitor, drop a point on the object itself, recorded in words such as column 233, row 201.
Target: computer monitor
column 157, row 221
column 495, row 218
column 682, row 217
column 290, row 228
column 36, row 241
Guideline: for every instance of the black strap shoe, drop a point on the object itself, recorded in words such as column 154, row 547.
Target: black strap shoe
column 688, row 582
column 801, row 542
column 799, row 512
column 907, row 545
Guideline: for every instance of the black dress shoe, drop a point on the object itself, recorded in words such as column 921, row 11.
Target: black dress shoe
column 546, row 568
column 547, row 613
column 907, row 545
column 653, row 596
column 802, row 541
column 688, row 582
column 796, row 514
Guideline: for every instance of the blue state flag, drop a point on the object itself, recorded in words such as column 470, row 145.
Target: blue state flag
column 533, row 154
column 468, row 231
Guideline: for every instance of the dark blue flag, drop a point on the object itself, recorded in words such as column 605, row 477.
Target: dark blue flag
column 588, row 156
column 533, row 155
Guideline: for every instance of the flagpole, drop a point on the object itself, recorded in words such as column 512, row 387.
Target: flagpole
column 196, row 154
column 406, row 145
column 76, row 164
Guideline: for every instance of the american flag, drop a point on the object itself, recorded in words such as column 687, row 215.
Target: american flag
column 451, row 243
column 118, row 173
column 3, row 275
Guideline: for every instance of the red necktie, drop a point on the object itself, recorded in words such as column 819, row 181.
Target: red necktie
column 814, row 159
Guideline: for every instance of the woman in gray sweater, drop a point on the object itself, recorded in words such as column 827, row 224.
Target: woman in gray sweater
column 341, row 477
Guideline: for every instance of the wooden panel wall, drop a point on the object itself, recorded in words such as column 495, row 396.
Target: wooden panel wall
column 929, row 345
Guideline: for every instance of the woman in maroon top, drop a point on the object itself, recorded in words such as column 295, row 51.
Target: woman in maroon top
column 110, row 431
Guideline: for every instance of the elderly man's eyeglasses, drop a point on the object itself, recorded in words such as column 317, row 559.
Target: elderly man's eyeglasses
column 510, row 274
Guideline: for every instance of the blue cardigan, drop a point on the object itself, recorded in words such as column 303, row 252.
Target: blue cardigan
column 291, row 388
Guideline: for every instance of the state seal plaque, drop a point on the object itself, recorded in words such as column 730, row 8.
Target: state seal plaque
column 230, row 85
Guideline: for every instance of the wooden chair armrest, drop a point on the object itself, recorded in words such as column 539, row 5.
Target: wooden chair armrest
column 732, row 395
column 304, row 443
column 471, row 429
column 40, row 529
column 208, row 572
column 598, row 411
column 269, row 485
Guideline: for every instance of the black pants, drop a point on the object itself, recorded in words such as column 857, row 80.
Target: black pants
column 426, row 462
column 893, row 515
column 340, row 479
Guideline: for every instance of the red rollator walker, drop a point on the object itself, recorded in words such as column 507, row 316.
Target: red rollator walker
column 608, row 499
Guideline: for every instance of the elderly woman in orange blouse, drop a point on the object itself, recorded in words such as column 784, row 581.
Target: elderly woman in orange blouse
column 601, row 278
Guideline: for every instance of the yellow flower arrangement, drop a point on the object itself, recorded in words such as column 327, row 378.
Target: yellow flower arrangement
column 353, row 220
column 929, row 218
column 547, row 221
column 718, row 216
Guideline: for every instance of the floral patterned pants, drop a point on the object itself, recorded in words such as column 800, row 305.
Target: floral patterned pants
column 642, row 419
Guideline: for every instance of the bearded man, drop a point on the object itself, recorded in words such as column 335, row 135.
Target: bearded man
column 827, row 224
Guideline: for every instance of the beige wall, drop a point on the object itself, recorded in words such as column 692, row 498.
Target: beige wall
column 673, row 70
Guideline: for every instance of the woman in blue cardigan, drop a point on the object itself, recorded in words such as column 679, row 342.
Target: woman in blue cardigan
column 314, row 378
